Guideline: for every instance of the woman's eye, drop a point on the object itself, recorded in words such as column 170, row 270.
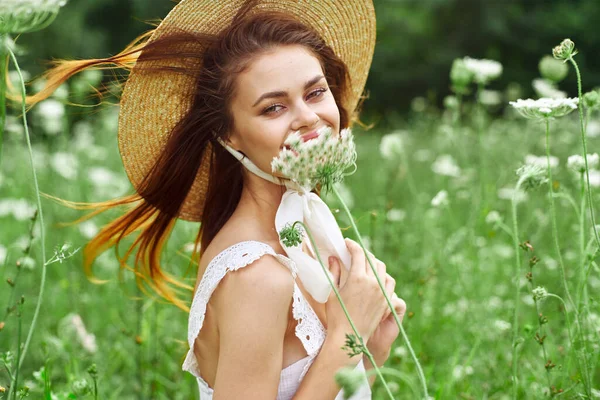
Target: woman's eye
column 274, row 109
column 317, row 93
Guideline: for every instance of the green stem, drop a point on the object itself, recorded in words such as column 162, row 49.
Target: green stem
column 517, row 277
column 337, row 294
column 41, row 215
column 3, row 74
column 389, row 302
column 583, row 141
column 560, row 260
column 541, row 326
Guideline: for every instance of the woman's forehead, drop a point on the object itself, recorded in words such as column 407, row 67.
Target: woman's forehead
column 281, row 69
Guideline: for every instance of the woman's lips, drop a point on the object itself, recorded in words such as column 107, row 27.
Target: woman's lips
column 305, row 138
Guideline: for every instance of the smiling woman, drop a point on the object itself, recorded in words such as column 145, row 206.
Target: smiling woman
column 239, row 77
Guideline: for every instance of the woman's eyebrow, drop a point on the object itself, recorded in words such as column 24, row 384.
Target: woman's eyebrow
column 280, row 93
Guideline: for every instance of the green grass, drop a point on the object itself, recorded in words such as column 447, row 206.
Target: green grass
column 455, row 272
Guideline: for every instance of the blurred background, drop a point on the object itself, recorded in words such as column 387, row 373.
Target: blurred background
column 417, row 40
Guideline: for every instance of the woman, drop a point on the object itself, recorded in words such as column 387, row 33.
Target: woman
column 238, row 77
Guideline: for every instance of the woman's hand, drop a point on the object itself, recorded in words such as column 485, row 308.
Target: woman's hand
column 380, row 343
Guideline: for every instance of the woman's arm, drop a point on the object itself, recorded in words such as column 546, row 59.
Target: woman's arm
column 319, row 382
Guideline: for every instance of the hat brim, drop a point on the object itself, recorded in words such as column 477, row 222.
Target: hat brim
column 152, row 104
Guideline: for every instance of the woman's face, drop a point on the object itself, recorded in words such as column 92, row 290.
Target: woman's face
column 282, row 91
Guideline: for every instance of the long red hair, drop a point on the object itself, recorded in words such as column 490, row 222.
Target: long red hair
column 152, row 211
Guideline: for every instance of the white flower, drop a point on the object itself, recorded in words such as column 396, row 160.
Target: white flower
column 493, row 217
column 19, row 16
column 459, row 371
column 87, row 340
column 20, row 209
column 392, row 145
column 65, row 164
column 395, row 215
column 483, row 70
column 51, row 109
column 594, row 178
column 88, row 229
column 324, row 159
column 545, row 108
column 445, row 165
column 532, row 176
column 490, row 97
column 545, row 88
column 541, row 161
column 507, row 193
column 440, row 199
column 577, row 162
column 593, row 129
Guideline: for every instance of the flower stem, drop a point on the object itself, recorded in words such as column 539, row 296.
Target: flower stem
column 337, row 294
column 560, row 260
column 517, row 277
column 3, row 74
column 396, row 318
column 41, row 215
column 583, row 141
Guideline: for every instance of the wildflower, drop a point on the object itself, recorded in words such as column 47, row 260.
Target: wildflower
column 539, row 293
column 552, row 69
column 26, row 262
column 395, row 215
column 400, row 351
column 577, row 162
column 81, row 387
column 20, row 16
column 392, row 145
column 445, row 165
column 591, row 99
column 440, row 199
column 565, row 50
column 493, row 217
column 532, row 176
column 459, row 371
column 545, row 108
column 88, row 229
column 20, row 209
column 594, row 178
column 51, row 113
column 541, row 161
column 87, row 340
column 349, row 379
column 323, row 160
column 291, row 235
column 450, row 102
column 65, row 164
column 507, row 193
column 483, row 70
column 545, row 88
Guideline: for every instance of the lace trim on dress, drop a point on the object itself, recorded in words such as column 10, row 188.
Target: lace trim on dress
column 309, row 329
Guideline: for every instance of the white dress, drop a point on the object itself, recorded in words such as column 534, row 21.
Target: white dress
column 309, row 329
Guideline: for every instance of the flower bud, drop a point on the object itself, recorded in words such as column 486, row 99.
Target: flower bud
column 591, row 99
column 565, row 50
column 460, row 74
column 552, row 69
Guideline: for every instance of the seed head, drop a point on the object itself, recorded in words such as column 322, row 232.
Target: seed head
column 539, row 293
column 565, row 50
column 552, row 69
column 291, row 235
column 532, row 176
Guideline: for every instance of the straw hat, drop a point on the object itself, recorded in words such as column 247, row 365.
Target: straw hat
column 152, row 104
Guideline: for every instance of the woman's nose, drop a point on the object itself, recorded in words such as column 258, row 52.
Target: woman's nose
column 305, row 117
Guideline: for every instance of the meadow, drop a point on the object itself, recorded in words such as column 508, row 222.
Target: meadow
column 434, row 197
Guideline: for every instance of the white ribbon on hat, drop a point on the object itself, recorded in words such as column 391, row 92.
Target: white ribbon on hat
column 300, row 204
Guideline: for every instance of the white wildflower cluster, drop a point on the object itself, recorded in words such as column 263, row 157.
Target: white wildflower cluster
column 541, row 161
column 323, row 160
column 19, row 16
column 493, row 218
column 577, row 163
column 532, row 176
column 483, row 70
column 392, row 145
column 546, row 88
column 446, row 165
column 545, row 108
column 490, row 97
column 50, row 114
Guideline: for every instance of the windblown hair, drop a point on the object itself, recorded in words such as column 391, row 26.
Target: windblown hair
column 153, row 210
